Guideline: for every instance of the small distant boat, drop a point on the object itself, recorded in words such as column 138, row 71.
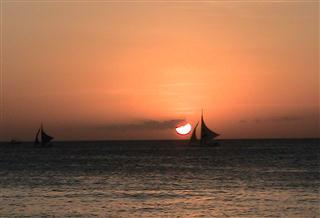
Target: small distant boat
column 207, row 136
column 45, row 138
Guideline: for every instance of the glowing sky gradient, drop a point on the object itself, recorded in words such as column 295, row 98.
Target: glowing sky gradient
column 133, row 70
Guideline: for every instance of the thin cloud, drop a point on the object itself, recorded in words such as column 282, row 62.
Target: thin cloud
column 243, row 121
column 285, row 119
column 144, row 125
column 277, row 119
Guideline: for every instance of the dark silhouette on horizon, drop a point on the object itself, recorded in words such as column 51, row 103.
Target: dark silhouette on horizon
column 45, row 138
column 207, row 135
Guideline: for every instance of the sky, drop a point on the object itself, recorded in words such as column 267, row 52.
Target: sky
column 136, row 69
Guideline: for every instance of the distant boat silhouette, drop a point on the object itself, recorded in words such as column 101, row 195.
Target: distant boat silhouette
column 45, row 138
column 207, row 135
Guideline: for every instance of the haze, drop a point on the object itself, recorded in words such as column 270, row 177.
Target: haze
column 133, row 70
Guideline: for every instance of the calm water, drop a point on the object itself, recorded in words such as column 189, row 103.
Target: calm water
column 242, row 178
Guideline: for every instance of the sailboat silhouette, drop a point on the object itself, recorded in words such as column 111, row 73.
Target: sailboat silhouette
column 45, row 138
column 207, row 135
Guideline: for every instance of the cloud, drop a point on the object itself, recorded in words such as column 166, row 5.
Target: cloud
column 276, row 119
column 144, row 125
column 243, row 121
column 285, row 119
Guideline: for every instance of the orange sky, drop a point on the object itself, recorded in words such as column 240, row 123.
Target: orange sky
column 103, row 70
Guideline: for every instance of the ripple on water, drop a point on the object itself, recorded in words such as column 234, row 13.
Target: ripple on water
column 240, row 179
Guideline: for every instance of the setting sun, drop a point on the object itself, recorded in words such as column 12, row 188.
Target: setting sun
column 184, row 129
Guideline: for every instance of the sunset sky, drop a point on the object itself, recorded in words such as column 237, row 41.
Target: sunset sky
column 135, row 69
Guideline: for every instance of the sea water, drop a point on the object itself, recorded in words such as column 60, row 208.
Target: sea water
column 241, row 178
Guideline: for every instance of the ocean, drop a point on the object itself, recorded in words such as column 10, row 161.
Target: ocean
column 241, row 178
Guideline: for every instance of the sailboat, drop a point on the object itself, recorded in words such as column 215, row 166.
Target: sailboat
column 207, row 135
column 45, row 138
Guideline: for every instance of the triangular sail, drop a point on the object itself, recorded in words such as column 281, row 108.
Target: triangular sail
column 45, row 138
column 193, row 138
column 36, row 141
column 206, row 133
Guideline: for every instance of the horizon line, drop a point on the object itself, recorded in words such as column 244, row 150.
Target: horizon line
column 223, row 139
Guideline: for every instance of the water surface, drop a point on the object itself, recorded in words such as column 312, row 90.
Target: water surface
column 241, row 178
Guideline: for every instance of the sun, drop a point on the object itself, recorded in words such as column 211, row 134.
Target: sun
column 184, row 129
